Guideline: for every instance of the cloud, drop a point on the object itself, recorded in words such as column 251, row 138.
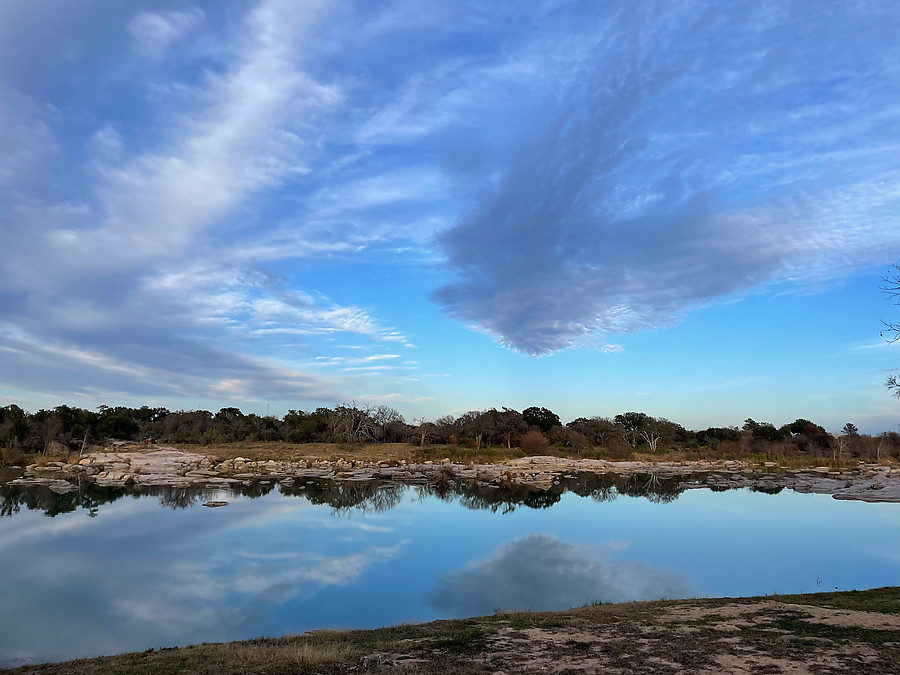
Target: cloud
column 202, row 219
column 695, row 153
column 27, row 146
column 285, row 579
column 540, row 572
column 147, row 287
column 138, row 366
column 153, row 33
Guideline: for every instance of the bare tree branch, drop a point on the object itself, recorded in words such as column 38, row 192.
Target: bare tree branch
column 891, row 330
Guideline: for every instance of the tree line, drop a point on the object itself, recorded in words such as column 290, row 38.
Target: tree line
column 533, row 430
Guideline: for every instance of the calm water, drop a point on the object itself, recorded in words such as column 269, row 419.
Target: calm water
column 106, row 571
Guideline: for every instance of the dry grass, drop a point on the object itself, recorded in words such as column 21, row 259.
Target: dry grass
column 393, row 453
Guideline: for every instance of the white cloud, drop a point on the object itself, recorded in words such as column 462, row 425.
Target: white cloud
column 286, row 578
column 153, row 33
column 137, row 293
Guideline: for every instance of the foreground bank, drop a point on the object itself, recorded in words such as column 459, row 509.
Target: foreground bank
column 848, row 632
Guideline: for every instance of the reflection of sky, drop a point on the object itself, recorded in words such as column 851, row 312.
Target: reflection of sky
column 140, row 576
column 542, row 572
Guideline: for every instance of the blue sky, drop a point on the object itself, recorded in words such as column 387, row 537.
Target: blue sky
column 674, row 207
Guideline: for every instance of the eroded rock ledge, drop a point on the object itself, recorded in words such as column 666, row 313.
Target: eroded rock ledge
column 163, row 465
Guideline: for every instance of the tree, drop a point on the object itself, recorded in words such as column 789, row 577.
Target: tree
column 306, row 427
column 891, row 330
column 509, row 424
column 598, row 430
column 766, row 431
column 807, row 435
column 117, row 422
column 352, row 423
column 657, row 430
column 424, row 429
column 568, row 437
column 476, row 424
column 630, row 425
column 541, row 418
column 715, row 435
column 851, row 433
column 385, row 417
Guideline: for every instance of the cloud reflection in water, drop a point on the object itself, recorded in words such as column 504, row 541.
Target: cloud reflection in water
column 540, row 572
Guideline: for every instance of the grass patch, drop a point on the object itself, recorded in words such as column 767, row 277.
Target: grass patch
column 842, row 634
column 884, row 600
column 466, row 641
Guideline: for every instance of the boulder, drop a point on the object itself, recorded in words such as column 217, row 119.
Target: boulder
column 57, row 448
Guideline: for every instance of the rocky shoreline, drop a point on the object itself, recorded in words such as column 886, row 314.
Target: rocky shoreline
column 169, row 466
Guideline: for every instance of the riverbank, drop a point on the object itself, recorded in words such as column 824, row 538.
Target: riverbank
column 154, row 465
column 856, row 632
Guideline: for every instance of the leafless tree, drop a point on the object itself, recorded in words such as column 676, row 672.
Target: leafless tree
column 424, row 429
column 354, row 422
column 891, row 331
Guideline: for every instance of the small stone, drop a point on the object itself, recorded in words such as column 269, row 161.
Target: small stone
column 214, row 505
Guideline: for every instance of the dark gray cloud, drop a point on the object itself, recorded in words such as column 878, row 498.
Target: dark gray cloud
column 541, row 572
column 696, row 152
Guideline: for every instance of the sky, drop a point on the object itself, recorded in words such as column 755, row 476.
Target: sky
column 681, row 208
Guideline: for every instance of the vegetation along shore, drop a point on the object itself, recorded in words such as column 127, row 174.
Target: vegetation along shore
column 120, row 447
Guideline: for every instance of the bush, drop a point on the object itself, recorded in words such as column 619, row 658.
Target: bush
column 533, row 441
column 11, row 454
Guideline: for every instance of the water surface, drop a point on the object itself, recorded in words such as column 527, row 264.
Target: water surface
column 108, row 570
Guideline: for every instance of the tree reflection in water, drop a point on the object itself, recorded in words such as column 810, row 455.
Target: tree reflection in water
column 372, row 496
